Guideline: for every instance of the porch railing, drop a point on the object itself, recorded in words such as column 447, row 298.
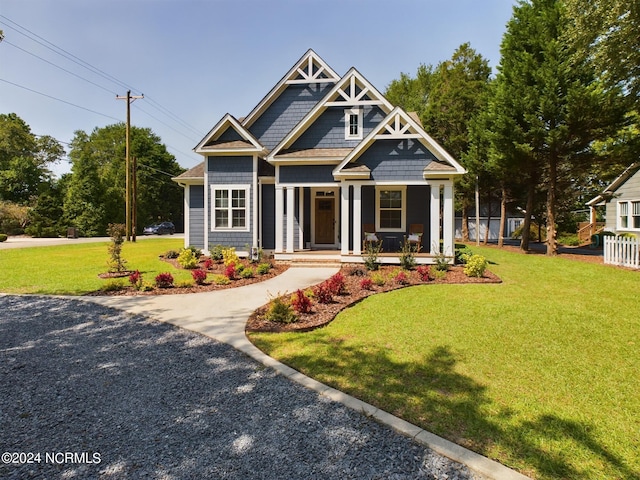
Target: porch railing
column 586, row 230
column 622, row 251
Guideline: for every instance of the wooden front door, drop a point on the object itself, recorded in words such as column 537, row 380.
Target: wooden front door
column 325, row 221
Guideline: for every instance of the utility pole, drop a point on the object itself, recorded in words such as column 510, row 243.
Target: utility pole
column 128, row 196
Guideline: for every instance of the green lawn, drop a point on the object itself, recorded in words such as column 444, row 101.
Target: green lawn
column 541, row 372
column 74, row 269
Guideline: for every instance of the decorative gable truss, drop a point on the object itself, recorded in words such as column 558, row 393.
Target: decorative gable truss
column 353, row 90
column 309, row 69
column 398, row 125
column 228, row 136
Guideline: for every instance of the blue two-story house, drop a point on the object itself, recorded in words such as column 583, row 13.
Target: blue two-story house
column 321, row 160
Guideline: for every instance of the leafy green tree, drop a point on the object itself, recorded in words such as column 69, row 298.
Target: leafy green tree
column 411, row 93
column 548, row 108
column 100, row 159
column 24, row 160
column 46, row 215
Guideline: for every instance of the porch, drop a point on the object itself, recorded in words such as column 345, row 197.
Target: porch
column 306, row 257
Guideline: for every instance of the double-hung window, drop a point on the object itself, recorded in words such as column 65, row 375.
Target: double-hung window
column 391, row 209
column 353, row 124
column 629, row 215
column 230, row 207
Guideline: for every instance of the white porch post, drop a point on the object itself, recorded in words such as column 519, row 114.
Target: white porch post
column 357, row 219
column 301, row 218
column 290, row 217
column 279, row 218
column 447, row 219
column 344, row 219
column 435, row 219
column 255, row 213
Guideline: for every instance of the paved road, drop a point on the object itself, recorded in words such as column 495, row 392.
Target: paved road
column 22, row 241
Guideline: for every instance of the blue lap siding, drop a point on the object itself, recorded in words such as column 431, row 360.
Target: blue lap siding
column 196, row 216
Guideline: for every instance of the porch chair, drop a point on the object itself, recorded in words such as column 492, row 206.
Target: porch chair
column 370, row 236
column 416, row 231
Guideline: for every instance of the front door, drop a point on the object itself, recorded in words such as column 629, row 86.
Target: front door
column 325, row 221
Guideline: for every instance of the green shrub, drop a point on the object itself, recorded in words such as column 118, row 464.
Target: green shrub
column 184, row 283
column 3, row 237
column 116, row 263
column 187, row 259
column 407, row 255
column 475, row 267
column 172, row 254
column 220, row 279
column 378, row 279
column 372, row 250
column 196, row 251
column 570, row 239
column 438, row 274
column 462, row 254
column 264, row 268
column 280, row 311
column 247, row 273
column 442, row 262
column 113, row 286
column 216, row 252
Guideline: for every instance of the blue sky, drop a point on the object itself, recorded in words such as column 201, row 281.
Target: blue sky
column 199, row 59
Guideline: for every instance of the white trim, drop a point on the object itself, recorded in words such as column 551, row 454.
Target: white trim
column 301, row 218
column 309, row 57
column 630, row 203
column 357, row 219
column 279, row 218
column 359, row 113
column 226, row 122
column 255, row 205
column 344, row 219
column 247, row 207
column 291, row 215
column 434, row 228
column 352, row 77
column 187, row 207
column 399, row 125
column 448, row 222
column 403, row 208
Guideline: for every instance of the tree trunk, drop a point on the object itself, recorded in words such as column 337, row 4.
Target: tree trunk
column 465, row 221
column 487, row 230
column 526, row 226
column 503, row 214
column 552, row 242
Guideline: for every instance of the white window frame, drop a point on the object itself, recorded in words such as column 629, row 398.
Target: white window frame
column 347, row 123
column 230, row 208
column 403, row 208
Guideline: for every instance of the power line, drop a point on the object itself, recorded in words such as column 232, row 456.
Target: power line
column 59, row 100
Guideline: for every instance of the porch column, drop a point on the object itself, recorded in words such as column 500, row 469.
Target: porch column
column 435, row 219
column 447, row 219
column 291, row 215
column 279, row 218
column 301, row 218
column 344, row 219
column 357, row 219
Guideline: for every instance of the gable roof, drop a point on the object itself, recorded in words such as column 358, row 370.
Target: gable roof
column 399, row 125
column 309, row 69
column 193, row 175
column 229, row 136
column 352, row 90
column 607, row 193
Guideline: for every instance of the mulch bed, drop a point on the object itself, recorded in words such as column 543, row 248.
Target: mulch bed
column 322, row 314
column 217, row 268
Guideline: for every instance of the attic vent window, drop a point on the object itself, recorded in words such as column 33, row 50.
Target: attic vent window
column 353, row 124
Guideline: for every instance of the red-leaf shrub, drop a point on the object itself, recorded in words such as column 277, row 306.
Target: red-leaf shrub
column 423, row 271
column 199, row 276
column 300, row 302
column 336, row 284
column 230, row 271
column 208, row 264
column 366, row 284
column 401, row 278
column 135, row 277
column 164, row 280
column 322, row 293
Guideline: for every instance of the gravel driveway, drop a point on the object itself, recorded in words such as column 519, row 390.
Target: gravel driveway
column 98, row 393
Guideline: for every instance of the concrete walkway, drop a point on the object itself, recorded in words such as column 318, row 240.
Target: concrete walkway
column 222, row 315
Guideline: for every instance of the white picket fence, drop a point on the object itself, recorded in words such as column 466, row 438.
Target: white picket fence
column 623, row 251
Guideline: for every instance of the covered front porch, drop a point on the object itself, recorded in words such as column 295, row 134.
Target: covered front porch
column 326, row 222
